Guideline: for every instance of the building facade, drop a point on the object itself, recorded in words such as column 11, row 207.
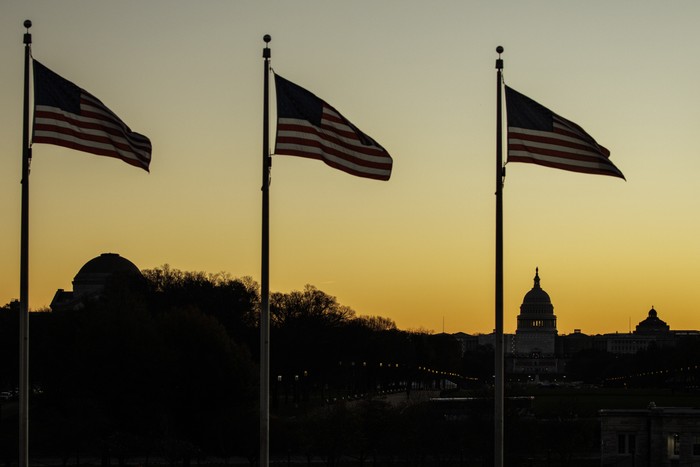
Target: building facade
column 652, row 437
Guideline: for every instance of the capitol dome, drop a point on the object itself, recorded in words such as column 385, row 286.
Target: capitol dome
column 537, row 301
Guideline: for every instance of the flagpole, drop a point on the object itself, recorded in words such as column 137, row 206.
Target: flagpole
column 24, row 267
column 499, row 353
column 265, row 270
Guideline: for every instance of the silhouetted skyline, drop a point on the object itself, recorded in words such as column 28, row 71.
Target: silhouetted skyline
column 417, row 77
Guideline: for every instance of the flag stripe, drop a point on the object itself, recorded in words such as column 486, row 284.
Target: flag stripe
column 516, row 155
column 309, row 127
column 66, row 115
column 94, row 108
column 293, row 135
column 337, row 136
column 301, row 129
column 299, row 138
column 56, row 123
column 54, row 119
column 539, row 136
column 547, row 142
column 58, row 139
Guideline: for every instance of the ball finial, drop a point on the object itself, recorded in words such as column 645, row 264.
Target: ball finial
column 27, row 23
column 499, row 49
column 267, row 38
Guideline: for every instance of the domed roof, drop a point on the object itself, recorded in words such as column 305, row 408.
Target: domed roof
column 536, row 303
column 91, row 280
column 108, row 263
column 652, row 324
column 95, row 274
column 536, row 294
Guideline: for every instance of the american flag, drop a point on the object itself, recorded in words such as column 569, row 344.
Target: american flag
column 539, row 136
column 66, row 115
column 309, row 127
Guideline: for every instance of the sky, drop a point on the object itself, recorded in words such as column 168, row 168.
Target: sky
column 417, row 76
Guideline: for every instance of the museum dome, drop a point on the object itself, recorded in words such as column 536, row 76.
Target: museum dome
column 95, row 274
column 92, row 279
column 108, row 263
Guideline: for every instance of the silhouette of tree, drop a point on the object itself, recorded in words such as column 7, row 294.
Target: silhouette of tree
column 376, row 323
column 306, row 326
column 310, row 306
column 211, row 385
column 130, row 379
column 233, row 302
column 9, row 346
column 9, row 380
column 100, row 369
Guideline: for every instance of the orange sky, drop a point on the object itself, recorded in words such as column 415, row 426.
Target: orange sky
column 419, row 78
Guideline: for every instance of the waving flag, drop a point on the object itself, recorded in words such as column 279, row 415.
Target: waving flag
column 539, row 136
column 309, row 127
column 66, row 115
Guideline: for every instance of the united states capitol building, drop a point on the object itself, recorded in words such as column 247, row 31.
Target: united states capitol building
column 537, row 348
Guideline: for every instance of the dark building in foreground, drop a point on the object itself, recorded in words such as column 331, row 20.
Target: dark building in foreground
column 652, row 437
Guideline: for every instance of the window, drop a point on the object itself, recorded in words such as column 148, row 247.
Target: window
column 626, row 443
column 674, row 445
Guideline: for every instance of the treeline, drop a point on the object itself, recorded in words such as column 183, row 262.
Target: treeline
column 167, row 366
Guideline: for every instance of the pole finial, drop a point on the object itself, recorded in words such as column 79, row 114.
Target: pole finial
column 499, row 60
column 266, row 51
column 27, row 35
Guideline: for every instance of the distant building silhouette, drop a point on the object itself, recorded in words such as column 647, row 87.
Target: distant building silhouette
column 650, row 330
column 90, row 281
column 535, row 337
column 537, row 324
column 652, row 325
column 537, row 349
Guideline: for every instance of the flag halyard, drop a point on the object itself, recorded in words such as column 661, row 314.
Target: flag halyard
column 309, row 127
column 66, row 115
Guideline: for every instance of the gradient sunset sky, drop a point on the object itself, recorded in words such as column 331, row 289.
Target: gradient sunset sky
column 419, row 78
